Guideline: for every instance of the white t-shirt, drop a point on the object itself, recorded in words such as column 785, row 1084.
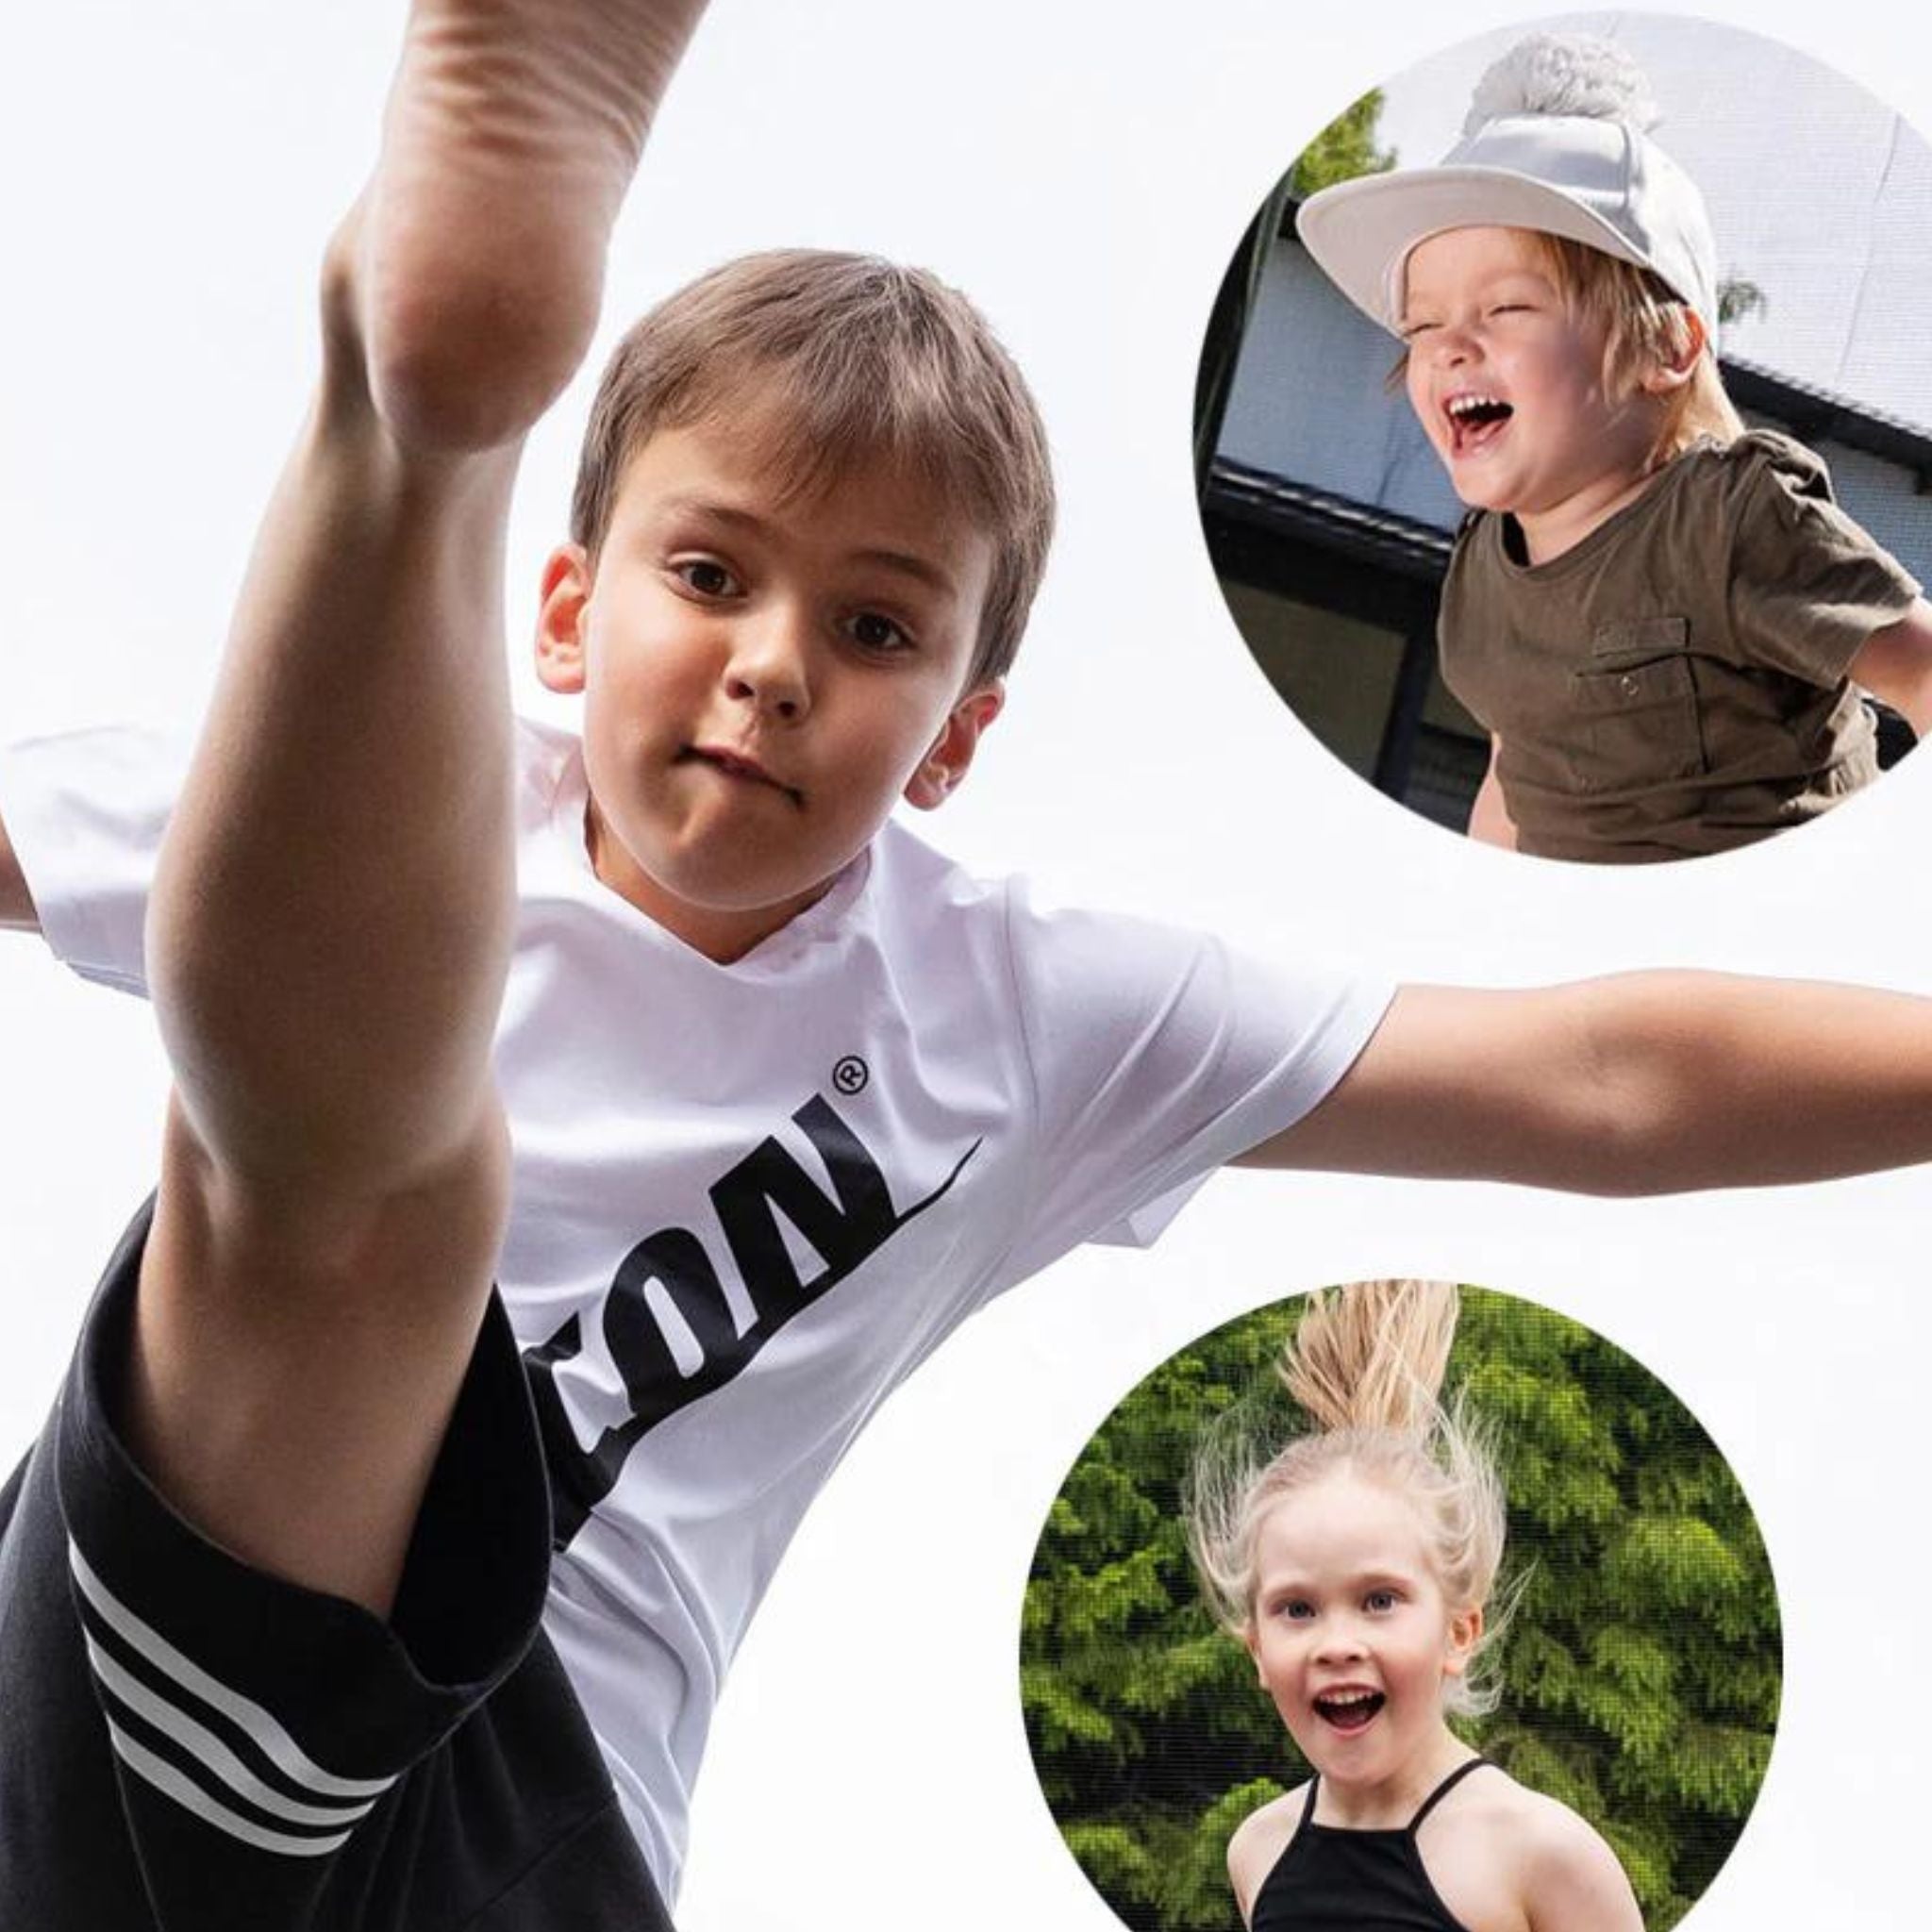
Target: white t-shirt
column 749, row 1199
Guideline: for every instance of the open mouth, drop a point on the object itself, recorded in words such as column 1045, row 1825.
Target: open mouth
column 1474, row 422
column 1349, row 1710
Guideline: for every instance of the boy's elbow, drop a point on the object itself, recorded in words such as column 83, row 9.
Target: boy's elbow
column 1641, row 1103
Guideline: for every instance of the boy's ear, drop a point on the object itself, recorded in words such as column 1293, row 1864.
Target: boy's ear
column 560, row 619
column 1465, row 1632
column 1662, row 377
column 944, row 764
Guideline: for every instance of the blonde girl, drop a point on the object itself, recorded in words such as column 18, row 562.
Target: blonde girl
column 1358, row 1567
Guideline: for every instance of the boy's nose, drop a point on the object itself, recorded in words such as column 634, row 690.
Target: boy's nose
column 767, row 669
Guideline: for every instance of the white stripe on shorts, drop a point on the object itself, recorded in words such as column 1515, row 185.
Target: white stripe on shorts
column 258, row 1722
column 208, row 1750
column 186, row 1792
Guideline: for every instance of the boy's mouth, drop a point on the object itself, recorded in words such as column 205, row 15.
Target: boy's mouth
column 1349, row 1710
column 740, row 765
column 1475, row 421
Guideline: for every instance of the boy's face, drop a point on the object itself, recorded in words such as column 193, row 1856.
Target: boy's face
column 1510, row 387
column 764, row 675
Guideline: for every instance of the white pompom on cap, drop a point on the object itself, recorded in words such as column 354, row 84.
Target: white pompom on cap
column 1556, row 143
column 1573, row 74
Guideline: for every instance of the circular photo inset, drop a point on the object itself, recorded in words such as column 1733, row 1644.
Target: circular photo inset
column 1401, row 1604
column 1563, row 424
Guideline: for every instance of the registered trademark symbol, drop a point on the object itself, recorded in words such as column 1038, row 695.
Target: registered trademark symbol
column 850, row 1075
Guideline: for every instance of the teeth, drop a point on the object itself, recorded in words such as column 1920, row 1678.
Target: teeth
column 1347, row 1697
column 1461, row 407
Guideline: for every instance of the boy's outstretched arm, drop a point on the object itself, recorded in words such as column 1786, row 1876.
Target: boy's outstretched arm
column 1643, row 1083
column 332, row 909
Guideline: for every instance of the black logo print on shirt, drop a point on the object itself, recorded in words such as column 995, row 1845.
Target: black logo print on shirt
column 846, row 1227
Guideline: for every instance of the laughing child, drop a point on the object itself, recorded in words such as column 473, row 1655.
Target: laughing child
column 1661, row 618
column 1358, row 1567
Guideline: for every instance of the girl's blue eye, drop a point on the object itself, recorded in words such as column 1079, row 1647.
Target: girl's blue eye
column 1381, row 1600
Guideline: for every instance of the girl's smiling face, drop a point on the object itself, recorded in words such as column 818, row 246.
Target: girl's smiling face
column 1512, row 388
column 1351, row 1634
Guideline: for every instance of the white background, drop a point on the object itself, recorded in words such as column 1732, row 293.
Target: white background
column 1084, row 170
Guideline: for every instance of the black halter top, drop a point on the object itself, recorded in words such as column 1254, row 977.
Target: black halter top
column 1332, row 1878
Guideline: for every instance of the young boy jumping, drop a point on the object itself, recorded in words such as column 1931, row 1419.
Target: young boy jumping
column 788, row 1095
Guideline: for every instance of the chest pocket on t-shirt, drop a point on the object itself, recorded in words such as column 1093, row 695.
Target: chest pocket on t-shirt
column 1635, row 708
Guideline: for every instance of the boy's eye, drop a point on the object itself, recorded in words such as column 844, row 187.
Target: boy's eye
column 874, row 631
column 1410, row 330
column 706, row 576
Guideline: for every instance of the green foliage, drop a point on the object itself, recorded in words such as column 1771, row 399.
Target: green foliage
column 1642, row 1671
column 1343, row 149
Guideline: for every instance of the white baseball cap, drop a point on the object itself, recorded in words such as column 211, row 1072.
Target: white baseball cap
column 1555, row 141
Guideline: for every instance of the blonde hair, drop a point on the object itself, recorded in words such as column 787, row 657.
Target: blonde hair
column 1645, row 327
column 1367, row 1365
column 866, row 361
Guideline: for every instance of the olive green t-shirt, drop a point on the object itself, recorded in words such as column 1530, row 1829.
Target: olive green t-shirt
column 1675, row 682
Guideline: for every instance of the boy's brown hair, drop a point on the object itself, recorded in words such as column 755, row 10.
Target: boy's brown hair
column 870, row 363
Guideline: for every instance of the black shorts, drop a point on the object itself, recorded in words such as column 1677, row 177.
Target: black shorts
column 189, row 1745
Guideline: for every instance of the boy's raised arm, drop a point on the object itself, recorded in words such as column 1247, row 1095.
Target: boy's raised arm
column 333, row 905
column 1642, row 1083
